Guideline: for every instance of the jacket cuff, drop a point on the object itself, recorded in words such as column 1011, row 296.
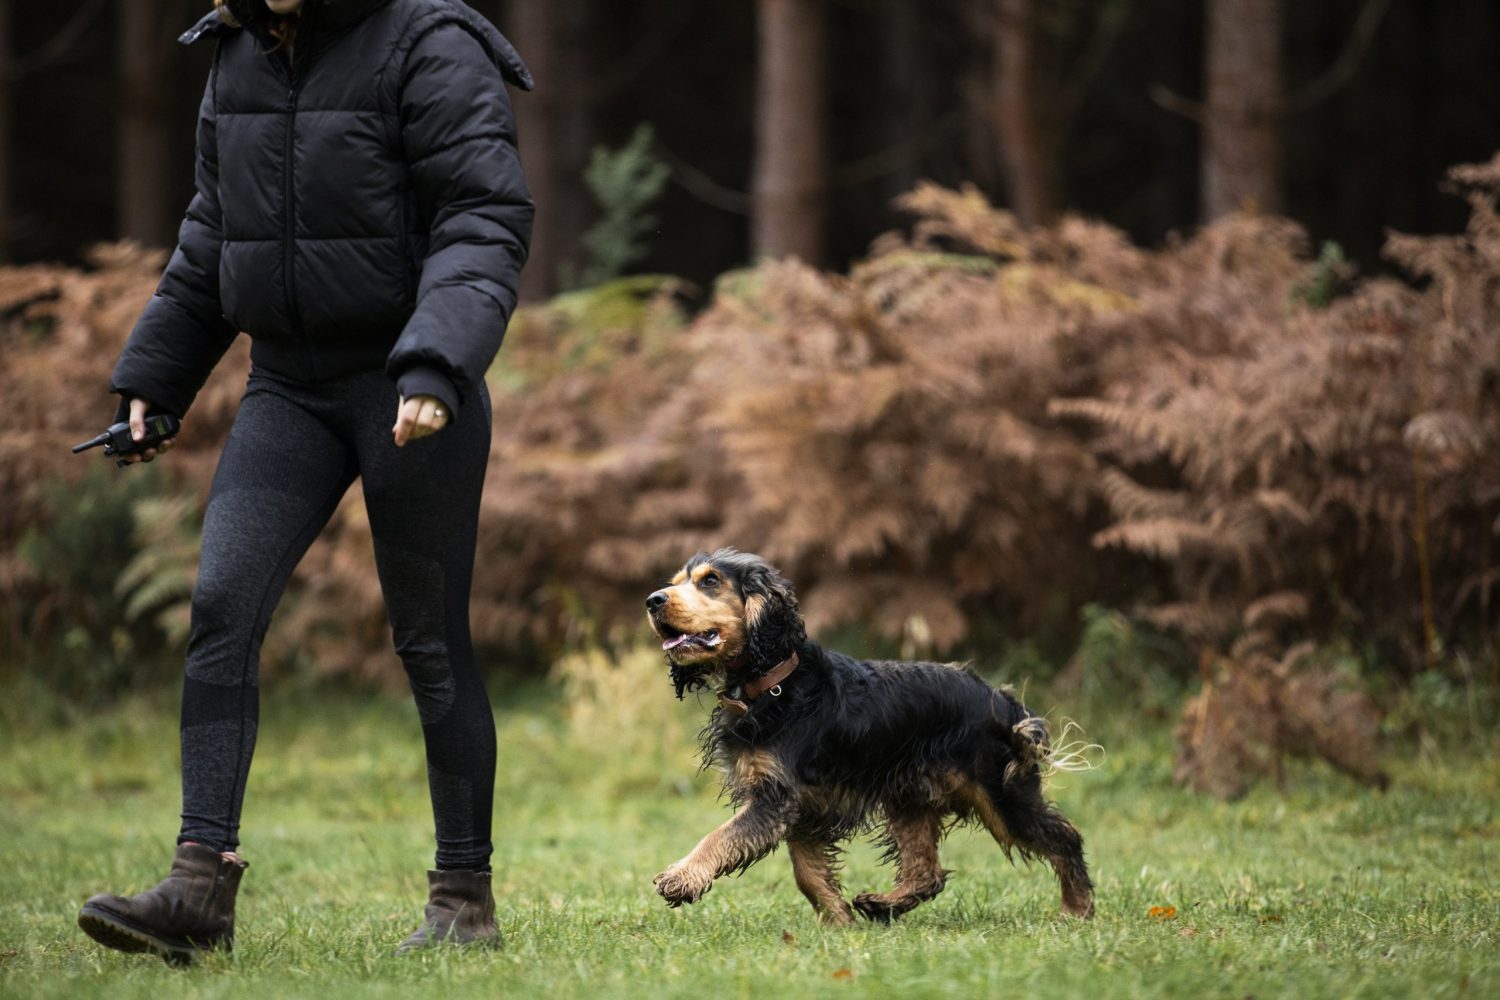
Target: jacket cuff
column 122, row 411
column 424, row 381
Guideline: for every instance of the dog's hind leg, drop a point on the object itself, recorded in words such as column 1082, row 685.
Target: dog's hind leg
column 911, row 837
column 1041, row 829
column 1020, row 818
column 815, row 866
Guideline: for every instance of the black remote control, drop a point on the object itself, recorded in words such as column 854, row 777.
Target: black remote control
column 117, row 440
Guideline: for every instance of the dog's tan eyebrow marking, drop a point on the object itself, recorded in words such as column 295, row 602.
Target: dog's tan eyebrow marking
column 677, row 580
column 702, row 571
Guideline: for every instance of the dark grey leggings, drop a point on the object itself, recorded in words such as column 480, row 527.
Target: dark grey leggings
column 291, row 455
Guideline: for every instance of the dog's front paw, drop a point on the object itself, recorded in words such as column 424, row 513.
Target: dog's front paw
column 682, row 884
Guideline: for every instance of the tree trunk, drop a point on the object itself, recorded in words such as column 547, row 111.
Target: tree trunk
column 144, row 206
column 1030, row 135
column 1241, row 143
column 907, row 91
column 790, row 142
column 7, row 67
column 556, row 134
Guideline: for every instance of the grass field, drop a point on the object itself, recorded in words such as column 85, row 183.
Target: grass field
column 1328, row 890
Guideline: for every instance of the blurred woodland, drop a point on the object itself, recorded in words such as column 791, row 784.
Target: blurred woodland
column 1034, row 364
column 791, row 125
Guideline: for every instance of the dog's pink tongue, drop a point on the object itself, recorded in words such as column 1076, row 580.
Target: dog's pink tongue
column 673, row 643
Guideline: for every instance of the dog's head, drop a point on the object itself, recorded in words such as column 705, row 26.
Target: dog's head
column 719, row 606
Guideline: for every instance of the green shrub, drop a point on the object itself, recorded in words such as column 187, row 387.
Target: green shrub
column 94, row 579
column 625, row 182
column 1122, row 661
column 1453, row 705
column 1328, row 278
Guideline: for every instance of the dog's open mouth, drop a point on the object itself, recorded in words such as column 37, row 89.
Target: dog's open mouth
column 677, row 641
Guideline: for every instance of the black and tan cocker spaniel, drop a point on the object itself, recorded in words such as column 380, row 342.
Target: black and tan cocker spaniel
column 816, row 746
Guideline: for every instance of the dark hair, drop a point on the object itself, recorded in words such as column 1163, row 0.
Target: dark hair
column 282, row 27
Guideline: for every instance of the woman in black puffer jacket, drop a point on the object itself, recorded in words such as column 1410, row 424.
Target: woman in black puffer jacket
column 361, row 213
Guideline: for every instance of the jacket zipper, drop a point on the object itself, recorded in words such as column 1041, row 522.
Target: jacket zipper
column 296, row 74
column 289, row 235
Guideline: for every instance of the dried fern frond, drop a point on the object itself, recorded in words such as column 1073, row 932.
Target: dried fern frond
column 1483, row 176
column 1447, row 435
column 1130, row 500
column 1160, row 537
column 1207, row 621
column 963, row 218
column 1254, row 712
column 1273, row 609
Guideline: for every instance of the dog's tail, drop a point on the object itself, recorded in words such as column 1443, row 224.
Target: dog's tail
column 1027, row 735
column 1031, row 743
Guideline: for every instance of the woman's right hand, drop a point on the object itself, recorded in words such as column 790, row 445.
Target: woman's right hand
column 138, row 408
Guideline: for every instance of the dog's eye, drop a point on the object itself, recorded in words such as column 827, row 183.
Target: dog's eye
column 709, row 581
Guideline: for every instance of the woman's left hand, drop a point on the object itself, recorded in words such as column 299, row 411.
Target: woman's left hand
column 418, row 417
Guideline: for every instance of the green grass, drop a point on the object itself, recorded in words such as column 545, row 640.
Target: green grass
column 1329, row 890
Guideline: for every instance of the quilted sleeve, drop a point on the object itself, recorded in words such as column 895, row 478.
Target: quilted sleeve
column 183, row 333
column 460, row 139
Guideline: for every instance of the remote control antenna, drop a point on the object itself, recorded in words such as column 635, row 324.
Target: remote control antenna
column 101, row 439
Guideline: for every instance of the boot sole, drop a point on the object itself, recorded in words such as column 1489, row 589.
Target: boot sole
column 414, row 943
column 114, row 931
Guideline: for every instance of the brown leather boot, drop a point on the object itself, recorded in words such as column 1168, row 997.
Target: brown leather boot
column 189, row 911
column 460, row 909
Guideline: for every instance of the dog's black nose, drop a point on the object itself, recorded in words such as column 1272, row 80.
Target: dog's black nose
column 656, row 600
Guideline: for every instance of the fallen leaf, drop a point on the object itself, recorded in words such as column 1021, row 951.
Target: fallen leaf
column 844, row 974
column 1162, row 913
column 788, row 938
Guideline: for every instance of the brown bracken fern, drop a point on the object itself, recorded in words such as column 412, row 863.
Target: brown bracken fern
column 978, row 423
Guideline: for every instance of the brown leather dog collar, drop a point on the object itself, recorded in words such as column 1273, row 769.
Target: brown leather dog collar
column 751, row 690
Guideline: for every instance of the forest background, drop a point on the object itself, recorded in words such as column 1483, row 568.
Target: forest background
column 1143, row 353
column 989, row 322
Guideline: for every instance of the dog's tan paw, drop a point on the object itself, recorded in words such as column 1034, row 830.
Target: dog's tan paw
column 841, row 916
column 681, row 884
column 1078, row 904
column 1085, row 912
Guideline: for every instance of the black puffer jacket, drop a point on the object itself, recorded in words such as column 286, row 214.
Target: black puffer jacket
column 360, row 204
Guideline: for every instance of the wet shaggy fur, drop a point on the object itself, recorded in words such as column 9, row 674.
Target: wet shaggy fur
column 844, row 745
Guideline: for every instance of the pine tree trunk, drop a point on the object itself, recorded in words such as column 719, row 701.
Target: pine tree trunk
column 1241, row 141
column 144, row 208
column 556, row 134
column 1029, row 134
column 907, row 91
column 7, row 65
column 790, row 142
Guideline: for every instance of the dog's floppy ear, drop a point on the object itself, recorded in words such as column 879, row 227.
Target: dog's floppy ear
column 772, row 619
column 685, row 679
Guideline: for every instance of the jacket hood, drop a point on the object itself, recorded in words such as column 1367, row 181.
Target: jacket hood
column 505, row 55
column 254, row 16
